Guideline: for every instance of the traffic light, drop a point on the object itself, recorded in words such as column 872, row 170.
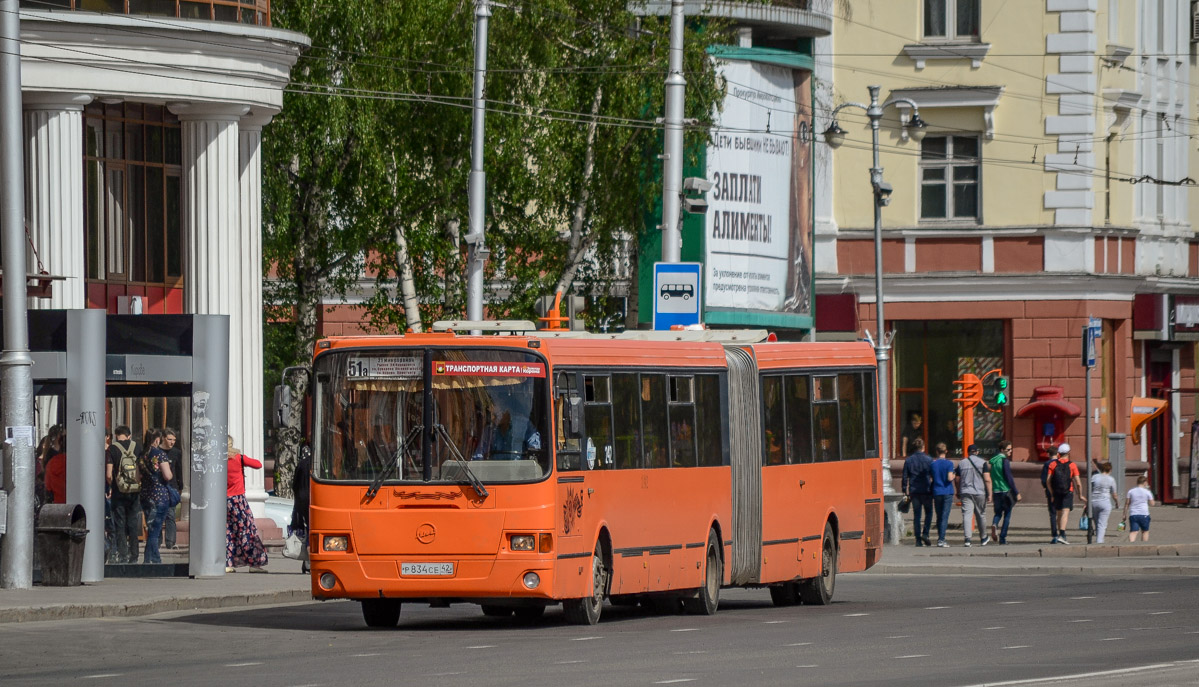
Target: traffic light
column 1001, row 393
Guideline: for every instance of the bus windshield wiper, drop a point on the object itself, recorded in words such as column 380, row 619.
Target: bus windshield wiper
column 470, row 476
column 395, row 459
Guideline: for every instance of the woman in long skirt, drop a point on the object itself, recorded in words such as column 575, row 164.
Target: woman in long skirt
column 243, row 546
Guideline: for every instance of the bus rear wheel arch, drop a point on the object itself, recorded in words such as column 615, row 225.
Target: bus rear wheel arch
column 818, row 591
column 587, row 610
column 707, row 597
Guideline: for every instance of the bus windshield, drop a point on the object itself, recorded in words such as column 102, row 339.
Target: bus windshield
column 485, row 420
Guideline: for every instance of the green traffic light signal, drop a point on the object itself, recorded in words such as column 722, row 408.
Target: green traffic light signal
column 1000, row 387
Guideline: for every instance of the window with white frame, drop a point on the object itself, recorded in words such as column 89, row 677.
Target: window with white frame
column 949, row 174
column 951, row 19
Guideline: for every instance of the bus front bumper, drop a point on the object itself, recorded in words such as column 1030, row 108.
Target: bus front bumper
column 372, row 577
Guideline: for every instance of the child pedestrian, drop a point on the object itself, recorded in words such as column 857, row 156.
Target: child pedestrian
column 1136, row 509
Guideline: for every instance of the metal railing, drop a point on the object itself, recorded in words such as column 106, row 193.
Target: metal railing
column 257, row 12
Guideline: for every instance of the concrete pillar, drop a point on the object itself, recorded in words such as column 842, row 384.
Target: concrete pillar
column 85, row 430
column 215, row 265
column 250, row 274
column 54, row 193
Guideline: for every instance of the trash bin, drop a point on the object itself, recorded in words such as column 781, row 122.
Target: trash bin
column 61, row 531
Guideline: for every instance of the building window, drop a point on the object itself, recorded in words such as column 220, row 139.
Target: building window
column 951, row 19
column 132, row 203
column 949, row 175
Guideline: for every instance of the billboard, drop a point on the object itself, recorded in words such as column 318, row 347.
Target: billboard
column 758, row 227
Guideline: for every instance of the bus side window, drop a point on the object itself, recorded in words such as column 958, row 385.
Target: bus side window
column 682, row 422
column 799, row 419
column 827, row 425
column 853, row 430
column 656, row 439
column 868, row 398
column 597, row 417
column 774, row 429
column 567, row 448
column 708, row 419
column 627, row 410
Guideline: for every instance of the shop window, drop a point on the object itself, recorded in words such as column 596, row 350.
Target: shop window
column 132, row 198
column 949, row 178
column 951, row 19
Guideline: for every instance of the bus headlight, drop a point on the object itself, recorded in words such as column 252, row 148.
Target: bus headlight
column 522, row 542
column 336, row 542
column 531, row 580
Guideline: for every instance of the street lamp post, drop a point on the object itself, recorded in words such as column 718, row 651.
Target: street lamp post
column 835, row 136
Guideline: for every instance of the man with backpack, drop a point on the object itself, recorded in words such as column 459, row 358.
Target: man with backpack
column 124, row 487
column 1050, row 459
column 1063, row 482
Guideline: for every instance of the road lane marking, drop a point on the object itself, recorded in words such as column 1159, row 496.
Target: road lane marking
column 687, row 653
column 1111, row 639
column 1076, row 676
column 810, row 665
column 856, row 615
column 913, row 656
column 461, row 672
column 243, row 665
column 567, row 663
column 482, row 646
column 800, row 644
column 1018, row 646
column 899, row 636
column 583, row 639
column 993, row 628
column 1078, row 598
column 100, row 676
column 935, row 608
column 1148, row 593
column 365, row 655
column 1010, row 603
column 686, row 629
column 1083, row 620
column 1161, row 612
column 776, row 622
column 671, row 682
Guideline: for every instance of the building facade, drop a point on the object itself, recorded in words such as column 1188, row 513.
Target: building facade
column 143, row 177
column 1052, row 187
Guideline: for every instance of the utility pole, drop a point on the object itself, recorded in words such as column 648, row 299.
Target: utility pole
column 672, row 169
column 16, row 366
column 477, row 189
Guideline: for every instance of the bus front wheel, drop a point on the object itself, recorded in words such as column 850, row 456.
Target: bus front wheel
column 707, row 598
column 818, row 591
column 586, row 611
column 381, row 612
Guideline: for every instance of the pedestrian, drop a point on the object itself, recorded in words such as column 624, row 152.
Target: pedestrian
column 1103, row 499
column 913, row 431
column 175, row 455
column 1004, row 494
column 1136, row 509
column 243, row 546
column 300, row 481
column 55, row 475
column 973, row 480
column 125, row 485
column 942, row 479
column 156, row 498
column 918, row 487
column 1064, row 483
column 1051, row 453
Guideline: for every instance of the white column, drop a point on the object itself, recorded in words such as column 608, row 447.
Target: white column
column 54, row 193
column 250, row 274
column 214, row 272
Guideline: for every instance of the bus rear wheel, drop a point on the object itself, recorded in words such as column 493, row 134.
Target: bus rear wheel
column 708, row 597
column 381, row 612
column 818, row 591
column 586, row 611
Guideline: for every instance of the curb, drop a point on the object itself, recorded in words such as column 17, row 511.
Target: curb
column 74, row 611
column 1063, row 569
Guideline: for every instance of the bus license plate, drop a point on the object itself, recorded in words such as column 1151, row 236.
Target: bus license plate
column 442, row 569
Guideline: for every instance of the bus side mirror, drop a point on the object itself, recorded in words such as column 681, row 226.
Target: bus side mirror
column 574, row 417
column 281, row 406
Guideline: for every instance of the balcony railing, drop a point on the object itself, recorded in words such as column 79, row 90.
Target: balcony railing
column 256, row 12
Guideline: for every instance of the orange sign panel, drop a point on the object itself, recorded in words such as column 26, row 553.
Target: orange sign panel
column 1144, row 410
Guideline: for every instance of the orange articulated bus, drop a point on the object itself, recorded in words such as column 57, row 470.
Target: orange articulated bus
column 528, row 470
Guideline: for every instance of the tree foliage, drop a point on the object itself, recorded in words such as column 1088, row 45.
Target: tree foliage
column 371, row 154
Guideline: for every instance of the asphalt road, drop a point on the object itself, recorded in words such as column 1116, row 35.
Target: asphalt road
column 880, row 630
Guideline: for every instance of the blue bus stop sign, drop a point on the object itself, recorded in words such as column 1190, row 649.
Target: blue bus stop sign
column 676, row 294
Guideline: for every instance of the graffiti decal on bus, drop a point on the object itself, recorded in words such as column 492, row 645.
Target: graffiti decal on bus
column 572, row 509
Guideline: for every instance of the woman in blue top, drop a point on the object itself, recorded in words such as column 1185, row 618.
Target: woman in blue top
column 943, row 476
column 156, row 473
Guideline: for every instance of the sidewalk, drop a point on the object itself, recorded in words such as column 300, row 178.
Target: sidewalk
column 1172, row 550
column 1173, row 547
